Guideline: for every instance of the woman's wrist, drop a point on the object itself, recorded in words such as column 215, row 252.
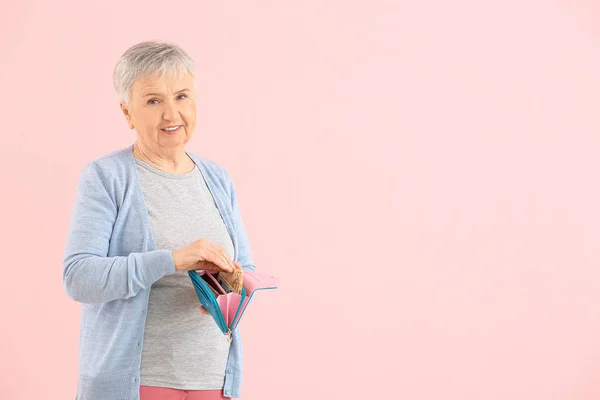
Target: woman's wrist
column 175, row 255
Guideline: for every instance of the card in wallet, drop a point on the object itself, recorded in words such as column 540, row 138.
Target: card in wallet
column 225, row 305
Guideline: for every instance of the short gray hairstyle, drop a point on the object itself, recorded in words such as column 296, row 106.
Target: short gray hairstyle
column 147, row 59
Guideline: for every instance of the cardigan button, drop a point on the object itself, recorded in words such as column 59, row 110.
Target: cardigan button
column 230, row 371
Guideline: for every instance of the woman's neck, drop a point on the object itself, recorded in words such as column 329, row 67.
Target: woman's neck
column 173, row 163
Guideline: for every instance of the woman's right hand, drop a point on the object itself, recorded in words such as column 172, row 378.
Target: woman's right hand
column 202, row 255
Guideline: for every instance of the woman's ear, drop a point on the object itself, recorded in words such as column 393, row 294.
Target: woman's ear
column 127, row 114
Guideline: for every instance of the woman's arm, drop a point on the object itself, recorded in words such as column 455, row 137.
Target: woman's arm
column 244, row 253
column 89, row 276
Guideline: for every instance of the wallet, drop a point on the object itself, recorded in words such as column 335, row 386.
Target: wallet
column 224, row 304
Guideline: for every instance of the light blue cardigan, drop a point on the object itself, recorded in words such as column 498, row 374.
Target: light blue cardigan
column 110, row 263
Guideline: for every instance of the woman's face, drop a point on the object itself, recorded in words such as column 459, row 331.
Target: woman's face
column 157, row 103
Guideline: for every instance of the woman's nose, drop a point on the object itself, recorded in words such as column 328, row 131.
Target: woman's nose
column 170, row 112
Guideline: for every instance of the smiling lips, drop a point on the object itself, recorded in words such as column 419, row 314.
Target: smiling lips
column 171, row 129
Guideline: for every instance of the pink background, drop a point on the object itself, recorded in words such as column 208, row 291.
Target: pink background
column 422, row 176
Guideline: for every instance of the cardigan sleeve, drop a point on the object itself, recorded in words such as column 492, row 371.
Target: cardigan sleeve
column 244, row 255
column 89, row 276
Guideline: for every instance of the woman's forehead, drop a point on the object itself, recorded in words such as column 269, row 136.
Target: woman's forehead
column 168, row 82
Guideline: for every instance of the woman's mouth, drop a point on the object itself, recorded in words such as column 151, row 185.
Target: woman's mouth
column 171, row 130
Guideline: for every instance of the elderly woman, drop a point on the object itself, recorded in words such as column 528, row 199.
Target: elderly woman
column 143, row 216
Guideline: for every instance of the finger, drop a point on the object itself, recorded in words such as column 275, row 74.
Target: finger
column 237, row 265
column 225, row 256
column 216, row 262
column 204, row 310
column 228, row 260
column 207, row 266
column 219, row 259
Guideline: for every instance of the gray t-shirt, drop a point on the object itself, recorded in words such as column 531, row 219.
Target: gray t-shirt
column 183, row 348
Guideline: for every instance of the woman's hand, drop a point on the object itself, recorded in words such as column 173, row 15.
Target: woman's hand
column 203, row 255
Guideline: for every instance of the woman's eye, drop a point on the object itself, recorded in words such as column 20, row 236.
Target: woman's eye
column 154, row 101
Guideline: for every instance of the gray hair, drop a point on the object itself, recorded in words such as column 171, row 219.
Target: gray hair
column 147, row 59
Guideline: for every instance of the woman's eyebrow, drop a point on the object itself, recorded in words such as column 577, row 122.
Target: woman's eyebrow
column 158, row 94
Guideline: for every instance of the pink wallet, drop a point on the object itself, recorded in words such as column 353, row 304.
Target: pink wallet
column 227, row 308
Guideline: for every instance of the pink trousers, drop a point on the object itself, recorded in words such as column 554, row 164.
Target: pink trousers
column 160, row 393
